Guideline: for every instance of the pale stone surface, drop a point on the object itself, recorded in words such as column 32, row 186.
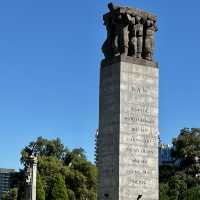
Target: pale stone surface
column 31, row 178
column 138, row 144
column 128, row 132
column 34, row 179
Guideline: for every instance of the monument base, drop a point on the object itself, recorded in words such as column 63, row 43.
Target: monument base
column 128, row 130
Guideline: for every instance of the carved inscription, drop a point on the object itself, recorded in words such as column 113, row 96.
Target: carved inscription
column 133, row 118
column 139, row 133
column 132, row 149
column 135, row 181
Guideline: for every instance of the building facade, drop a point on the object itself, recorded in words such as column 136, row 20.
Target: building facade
column 165, row 150
column 165, row 154
column 5, row 180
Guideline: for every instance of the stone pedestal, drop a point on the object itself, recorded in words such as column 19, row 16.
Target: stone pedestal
column 128, row 130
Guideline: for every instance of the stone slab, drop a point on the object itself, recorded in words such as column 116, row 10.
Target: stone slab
column 128, row 131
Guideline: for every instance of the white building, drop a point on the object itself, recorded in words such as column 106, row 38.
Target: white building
column 165, row 154
column 5, row 180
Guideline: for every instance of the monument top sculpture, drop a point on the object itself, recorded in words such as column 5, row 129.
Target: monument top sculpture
column 130, row 32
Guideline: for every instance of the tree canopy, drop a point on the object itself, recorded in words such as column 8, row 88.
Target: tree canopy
column 67, row 174
column 62, row 173
column 181, row 180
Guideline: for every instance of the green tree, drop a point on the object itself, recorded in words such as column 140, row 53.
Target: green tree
column 186, row 147
column 181, row 181
column 193, row 193
column 40, row 188
column 11, row 194
column 177, row 187
column 163, row 191
column 59, row 190
column 57, row 165
column 71, row 194
column 44, row 147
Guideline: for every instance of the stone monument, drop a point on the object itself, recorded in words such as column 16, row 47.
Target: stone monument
column 31, row 177
column 127, row 142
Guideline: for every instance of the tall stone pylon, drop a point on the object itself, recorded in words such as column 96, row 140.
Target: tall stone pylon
column 127, row 141
column 31, row 178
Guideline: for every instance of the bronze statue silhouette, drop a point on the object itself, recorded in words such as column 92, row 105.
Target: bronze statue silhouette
column 129, row 33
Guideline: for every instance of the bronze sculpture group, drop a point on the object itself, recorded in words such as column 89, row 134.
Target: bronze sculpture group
column 129, row 33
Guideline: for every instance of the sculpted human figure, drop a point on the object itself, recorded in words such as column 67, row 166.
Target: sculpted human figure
column 108, row 47
column 133, row 37
column 112, row 7
column 128, row 34
column 139, row 34
column 149, row 40
column 122, row 33
column 117, row 33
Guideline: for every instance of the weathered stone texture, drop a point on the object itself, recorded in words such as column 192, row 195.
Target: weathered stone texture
column 128, row 132
column 130, row 32
column 109, row 121
column 138, row 143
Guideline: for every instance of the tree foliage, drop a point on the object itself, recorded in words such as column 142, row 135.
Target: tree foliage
column 10, row 195
column 59, row 190
column 181, row 180
column 40, row 188
column 65, row 174
column 62, row 174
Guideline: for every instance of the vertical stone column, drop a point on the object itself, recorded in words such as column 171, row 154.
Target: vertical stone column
column 108, row 137
column 128, row 130
column 34, row 179
column 138, row 134
column 128, row 108
column 31, row 178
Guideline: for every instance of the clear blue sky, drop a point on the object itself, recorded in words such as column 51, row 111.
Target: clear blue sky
column 49, row 70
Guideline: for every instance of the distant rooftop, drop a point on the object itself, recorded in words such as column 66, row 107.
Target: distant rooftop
column 4, row 170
